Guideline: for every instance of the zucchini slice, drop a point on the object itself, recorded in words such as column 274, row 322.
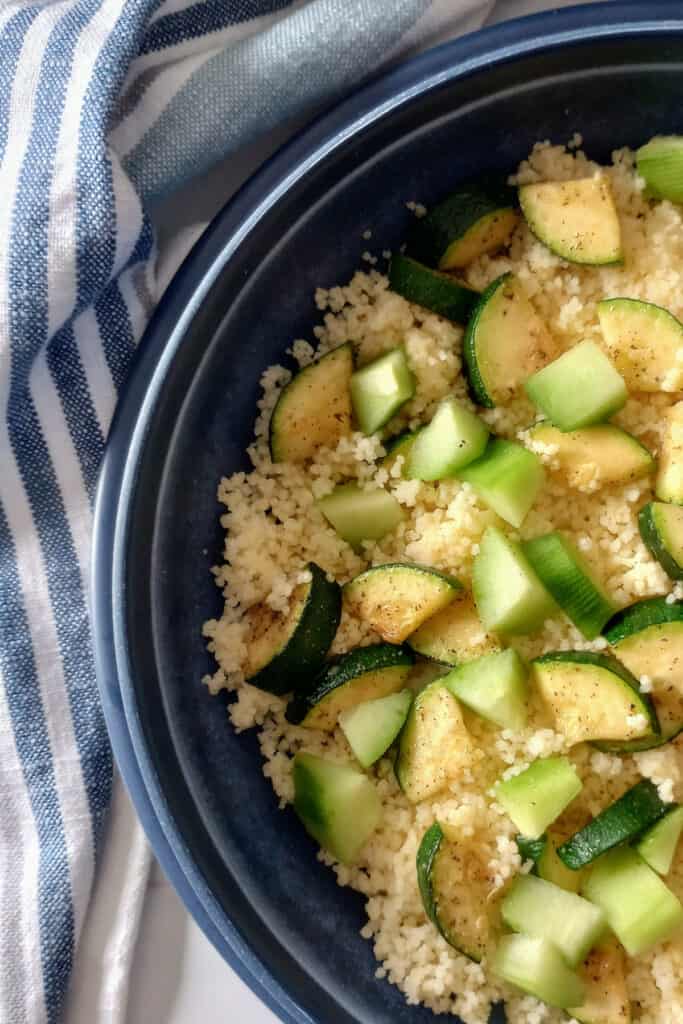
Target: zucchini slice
column 640, row 909
column 396, row 598
column 285, row 650
column 454, row 438
column 580, row 388
column 379, row 390
column 661, row 527
column 520, row 606
column 660, row 163
column 537, row 967
column 364, row 674
column 338, row 805
column 593, row 697
column 507, row 478
column 643, row 340
column 434, row 746
column 358, row 515
column 619, row 823
column 658, row 845
column 576, row 220
column 494, row 687
column 478, row 218
column 669, row 482
column 432, row 289
column 453, row 635
column 595, row 456
column 547, row 865
column 505, row 342
column 538, row 795
column 371, row 727
column 455, row 885
column 606, row 999
column 314, row 410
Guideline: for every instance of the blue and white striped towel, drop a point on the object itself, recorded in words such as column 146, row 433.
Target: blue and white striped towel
column 105, row 106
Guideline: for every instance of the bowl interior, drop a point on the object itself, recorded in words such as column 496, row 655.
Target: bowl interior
column 257, row 861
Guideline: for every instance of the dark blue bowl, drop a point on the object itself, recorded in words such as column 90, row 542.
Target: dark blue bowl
column 247, row 872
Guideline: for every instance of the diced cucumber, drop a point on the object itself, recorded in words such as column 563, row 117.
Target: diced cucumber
column 358, row 515
column 537, row 967
column 619, row 823
column 669, row 482
column 454, row 886
column 593, row 697
column 338, row 805
column 454, row 438
column 379, row 390
column 595, row 456
column 507, row 478
column 543, row 910
column 286, row 650
column 364, row 674
column 538, row 795
column 314, row 410
column 547, row 865
column 565, row 575
column 660, row 163
column 454, row 635
column 396, row 598
column 643, row 340
column 433, row 289
column 606, row 999
column 435, row 745
column 371, row 727
column 478, row 218
column 522, row 604
column 399, row 445
column 580, row 388
column 661, row 527
column 658, row 845
column 640, row 909
column 494, row 686
column 577, row 219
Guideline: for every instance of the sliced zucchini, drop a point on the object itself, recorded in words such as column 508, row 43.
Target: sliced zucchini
column 338, row 805
column 643, row 340
column 520, row 606
column 454, row 438
column 593, row 697
column 538, row 795
column 396, row 598
column 580, row 388
column 454, row 635
column 285, row 650
column 661, row 527
column 595, row 456
column 455, row 885
column 507, row 478
column 314, row 410
column 658, row 845
column 379, row 390
column 547, row 865
column 619, row 823
column 364, row 674
column 371, row 727
column 537, row 967
column 435, row 746
column 505, row 342
column 669, row 482
column 478, row 218
column 640, row 909
column 358, row 515
column 565, row 575
column 606, row 999
column 494, row 686
column 576, row 220
column 660, row 163
column 432, row 289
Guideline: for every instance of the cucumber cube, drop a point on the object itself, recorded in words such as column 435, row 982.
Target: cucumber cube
column 507, row 478
column 537, row 796
column 660, row 163
column 494, row 686
column 359, row 515
column 380, row 389
column 454, row 438
column 580, row 388
column 371, row 727
column 658, row 845
column 537, row 967
column 509, row 596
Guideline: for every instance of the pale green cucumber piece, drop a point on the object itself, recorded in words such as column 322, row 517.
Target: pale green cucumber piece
column 661, row 527
column 338, row 805
column 507, row 478
column 606, row 999
column 640, row 909
column 371, row 727
column 643, row 341
column 454, row 438
column 595, row 456
column 537, row 967
column 669, row 481
column 379, row 390
column 580, row 388
column 433, row 289
column 576, row 220
column 658, row 845
column 660, row 163
column 494, row 686
column 399, row 445
column 509, row 596
column 396, row 598
column 538, row 795
column 358, row 515
column 454, row 635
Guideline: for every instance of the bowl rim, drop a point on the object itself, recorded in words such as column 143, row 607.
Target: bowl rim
column 179, row 305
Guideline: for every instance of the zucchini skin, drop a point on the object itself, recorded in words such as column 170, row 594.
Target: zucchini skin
column 432, row 289
column 426, row 855
column 656, row 544
column 638, row 616
column 477, row 387
column 531, row 849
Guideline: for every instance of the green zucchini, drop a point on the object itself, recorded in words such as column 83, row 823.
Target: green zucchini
column 595, row 456
column 379, row 389
column 658, row 845
column 493, row 686
column 454, row 438
column 454, row 635
column 660, row 163
column 286, row 650
column 576, row 220
column 359, row 515
column 314, row 410
column 537, row 967
column 396, row 598
column 505, row 342
column 364, row 674
column 643, row 341
column 520, row 606
column 371, row 727
column 580, row 388
column 432, row 289
column 538, row 795
column 661, row 527
column 669, row 482
column 547, row 865
column 507, row 478
column 606, row 999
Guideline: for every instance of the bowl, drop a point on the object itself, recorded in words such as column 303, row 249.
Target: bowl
column 247, row 871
